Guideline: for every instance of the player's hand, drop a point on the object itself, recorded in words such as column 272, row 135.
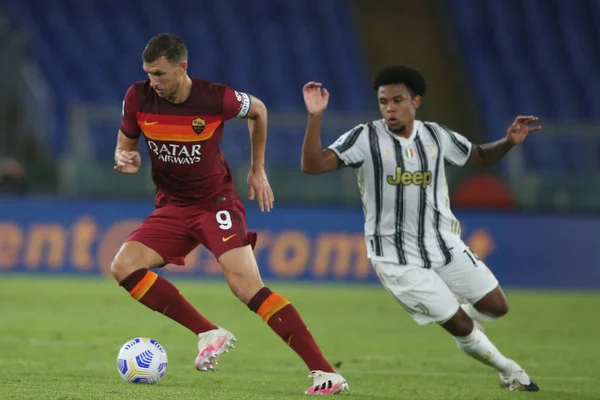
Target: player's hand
column 258, row 186
column 519, row 129
column 315, row 98
column 128, row 162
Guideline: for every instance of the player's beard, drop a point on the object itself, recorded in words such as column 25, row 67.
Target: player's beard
column 171, row 94
column 399, row 130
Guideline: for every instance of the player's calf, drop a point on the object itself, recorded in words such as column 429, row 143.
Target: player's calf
column 459, row 325
column 131, row 269
column 478, row 346
column 241, row 272
column 283, row 318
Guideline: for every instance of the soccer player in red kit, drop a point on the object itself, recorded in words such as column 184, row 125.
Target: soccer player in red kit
column 182, row 118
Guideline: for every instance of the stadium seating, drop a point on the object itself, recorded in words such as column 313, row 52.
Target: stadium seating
column 535, row 57
column 532, row 57
column 90, row 51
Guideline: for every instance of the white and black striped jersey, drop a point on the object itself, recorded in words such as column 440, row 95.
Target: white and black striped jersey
column 404, row 190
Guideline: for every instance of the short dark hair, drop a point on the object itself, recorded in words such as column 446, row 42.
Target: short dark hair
column 395, row 74
column 165, row 45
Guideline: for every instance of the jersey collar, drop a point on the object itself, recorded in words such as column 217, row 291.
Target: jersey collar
column 402, row 140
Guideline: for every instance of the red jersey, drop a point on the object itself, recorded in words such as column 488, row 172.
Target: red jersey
column 183, row 139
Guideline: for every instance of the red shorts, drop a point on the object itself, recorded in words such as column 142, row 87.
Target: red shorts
column 174, row 231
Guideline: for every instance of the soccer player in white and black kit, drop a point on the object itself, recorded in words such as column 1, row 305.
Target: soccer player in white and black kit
column 412, row 237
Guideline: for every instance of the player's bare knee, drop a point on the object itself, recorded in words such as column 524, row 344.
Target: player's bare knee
column 240, row 270
column 124, row 263
column 121, row 267
column 499, row 310
column 494, row 305
column 133, row 256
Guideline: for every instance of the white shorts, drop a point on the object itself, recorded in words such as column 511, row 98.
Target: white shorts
column 431, row 295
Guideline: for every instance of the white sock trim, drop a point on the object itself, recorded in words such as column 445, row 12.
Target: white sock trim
column 470, row 338
column 476, row 315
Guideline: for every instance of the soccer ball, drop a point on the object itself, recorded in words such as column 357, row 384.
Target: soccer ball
column 142, row 360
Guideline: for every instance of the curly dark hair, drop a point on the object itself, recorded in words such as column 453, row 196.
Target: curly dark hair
column 395, row 74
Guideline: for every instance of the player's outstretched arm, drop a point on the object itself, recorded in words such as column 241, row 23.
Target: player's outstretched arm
column 127, row 158
column 485, row 155
column 258, row 183
column 316, row 160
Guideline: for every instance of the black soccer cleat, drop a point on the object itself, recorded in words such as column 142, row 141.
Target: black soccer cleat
column 532, row 387
column 516, row 382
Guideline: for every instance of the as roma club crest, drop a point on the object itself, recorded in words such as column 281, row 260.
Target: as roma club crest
column 198, row 125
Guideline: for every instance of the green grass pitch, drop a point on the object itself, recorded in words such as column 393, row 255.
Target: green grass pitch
column 59, row 339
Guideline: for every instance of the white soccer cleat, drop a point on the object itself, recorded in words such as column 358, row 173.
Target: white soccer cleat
column 327, row 383
column 211, row 345
column 518, row 380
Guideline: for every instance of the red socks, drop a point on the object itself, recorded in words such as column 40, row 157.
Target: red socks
column 160, row 295
column 283, row 318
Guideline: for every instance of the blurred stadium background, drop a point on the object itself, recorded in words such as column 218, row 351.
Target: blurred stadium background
column 534, row 218
column 67, row 64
